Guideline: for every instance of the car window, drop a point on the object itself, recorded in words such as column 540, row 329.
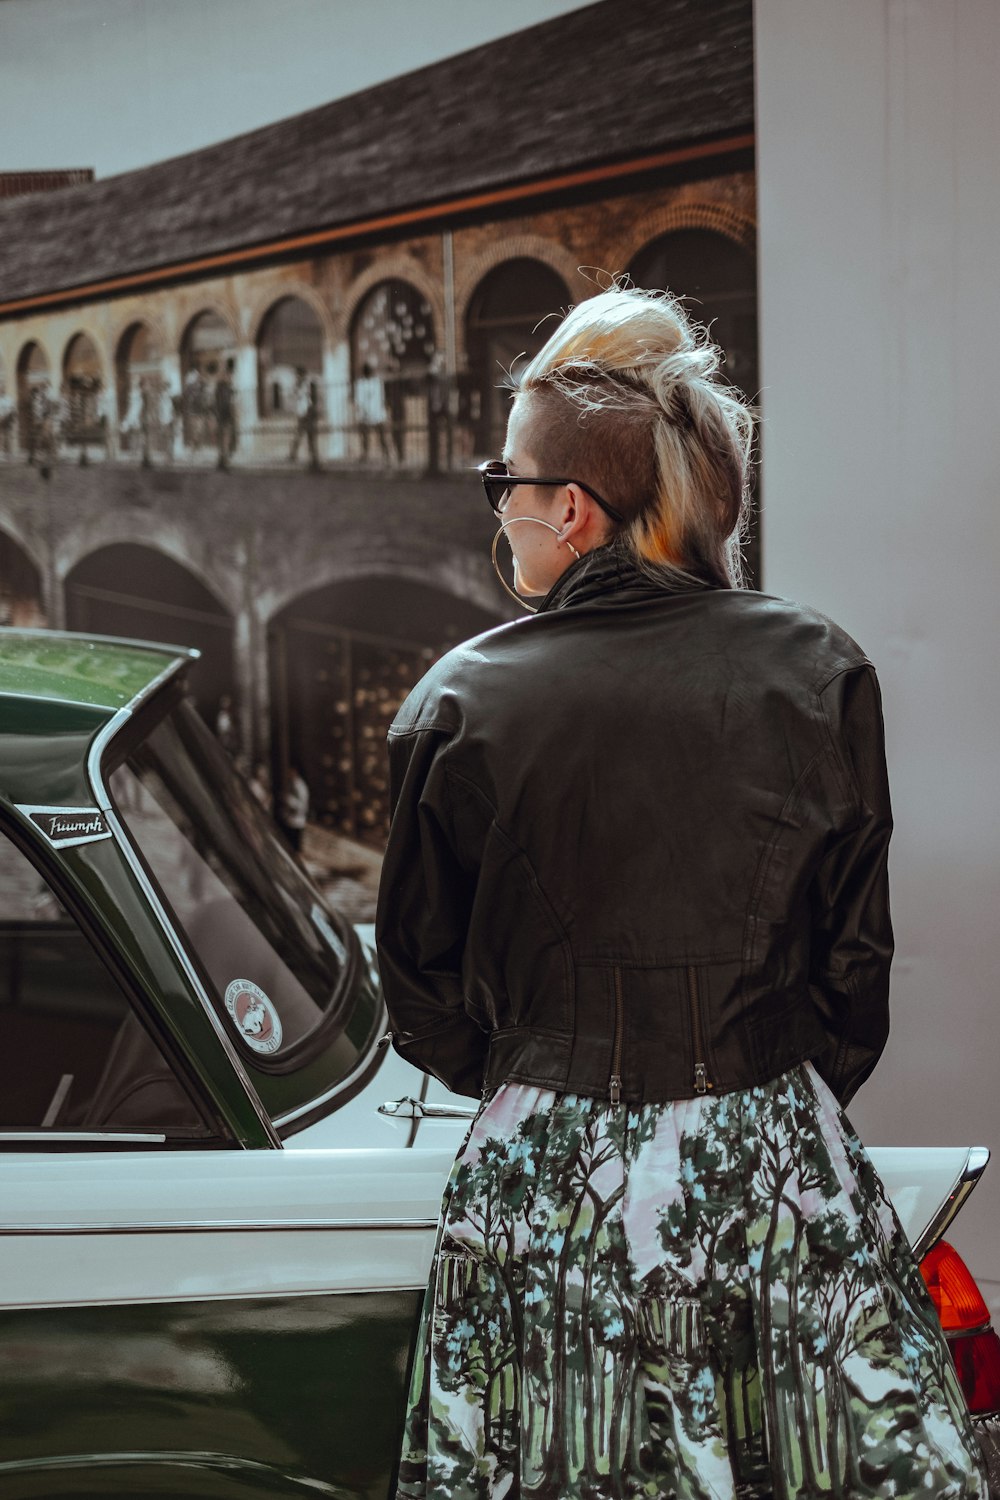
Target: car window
column 75, row 1055
column 276, row 961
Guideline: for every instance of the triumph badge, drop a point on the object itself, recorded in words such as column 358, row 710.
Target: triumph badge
column 64, row 827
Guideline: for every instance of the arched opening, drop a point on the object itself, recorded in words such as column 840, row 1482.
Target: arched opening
column 207, row 344
column 137, row 358
column 147, row 406
column 82, row 385
column 208, row 355
column 135, row 591
column 716, row 279
column 342, row 659
column 20, row 587
column 394, row 362
column 289, row 352
column 509, row 318
column 34, row 397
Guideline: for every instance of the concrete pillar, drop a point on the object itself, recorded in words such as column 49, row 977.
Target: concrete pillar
column 170, row 370
column 243, row 673
column 261, row 705
column 450, row 342
column 54, row 592
column 245, row 385
column 250, row 657
column 337, row 389
column 109, row 410
column 879, row 193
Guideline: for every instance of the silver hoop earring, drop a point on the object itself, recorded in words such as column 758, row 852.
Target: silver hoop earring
column 531, row 608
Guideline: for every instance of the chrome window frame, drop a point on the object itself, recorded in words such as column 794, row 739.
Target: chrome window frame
column 95, row 756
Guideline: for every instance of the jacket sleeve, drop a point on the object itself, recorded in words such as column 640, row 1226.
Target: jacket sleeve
column 424, row 903
column 851, row 941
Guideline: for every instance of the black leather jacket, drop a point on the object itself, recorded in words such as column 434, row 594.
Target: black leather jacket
column 638, row 848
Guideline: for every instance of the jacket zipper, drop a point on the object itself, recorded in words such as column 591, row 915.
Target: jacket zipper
column 615, row 1081
column 702, row 1082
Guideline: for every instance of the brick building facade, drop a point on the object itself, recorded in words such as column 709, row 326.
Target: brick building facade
column 262, row 446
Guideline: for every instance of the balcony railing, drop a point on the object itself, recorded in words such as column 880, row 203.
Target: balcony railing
column 427, row 428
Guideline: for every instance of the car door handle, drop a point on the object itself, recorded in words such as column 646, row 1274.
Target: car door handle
column 416, row 1109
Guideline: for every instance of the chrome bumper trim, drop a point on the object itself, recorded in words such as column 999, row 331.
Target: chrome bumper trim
column 975, row 1166
column 223, row 1226
column 120, row 1137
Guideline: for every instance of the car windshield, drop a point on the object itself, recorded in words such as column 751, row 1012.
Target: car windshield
column 278, row 961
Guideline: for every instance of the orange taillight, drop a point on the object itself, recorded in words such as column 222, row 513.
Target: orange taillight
column 958, row 1300
column 965, row 1319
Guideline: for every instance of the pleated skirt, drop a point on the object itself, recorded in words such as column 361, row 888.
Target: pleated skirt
column 710, row 1299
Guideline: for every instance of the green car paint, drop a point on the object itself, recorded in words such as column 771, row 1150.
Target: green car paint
column 155, row 1400
column 45, row 666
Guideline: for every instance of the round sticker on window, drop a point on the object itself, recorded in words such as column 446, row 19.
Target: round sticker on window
column 258, row 1021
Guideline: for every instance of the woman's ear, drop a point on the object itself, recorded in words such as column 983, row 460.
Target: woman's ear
column 582, row 521
column 569, row 510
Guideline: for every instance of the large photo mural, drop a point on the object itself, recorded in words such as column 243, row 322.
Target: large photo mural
column 247, row 419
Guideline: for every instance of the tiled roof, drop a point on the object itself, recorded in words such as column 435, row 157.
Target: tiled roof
column 17, row 184
column 610, row 82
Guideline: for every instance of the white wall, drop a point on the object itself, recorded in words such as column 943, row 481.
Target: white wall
column 879, row 176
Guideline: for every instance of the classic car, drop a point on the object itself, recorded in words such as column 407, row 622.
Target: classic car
column 218, row 1191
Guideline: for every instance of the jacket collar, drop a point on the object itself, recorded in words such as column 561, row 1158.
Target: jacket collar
column 609, row 575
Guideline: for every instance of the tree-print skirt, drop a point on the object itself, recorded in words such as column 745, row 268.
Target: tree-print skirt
column 708, row 1300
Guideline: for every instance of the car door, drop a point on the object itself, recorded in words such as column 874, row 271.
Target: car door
column 179, row 1314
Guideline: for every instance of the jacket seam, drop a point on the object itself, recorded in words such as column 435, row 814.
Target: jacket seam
column 845, row 664
column 767, row 854
column 556, row 1031
column 548, row 911
column 843, row 1042
column 537, row 890
column 700, row 960
column 843, row 768
column 416, row 726
column 540, row 1077
column 795, row 795
column 456, row 1013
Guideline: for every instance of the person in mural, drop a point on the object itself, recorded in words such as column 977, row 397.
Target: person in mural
column 131, row 425
column 306, row 418
column 167, row 404
column 634, row 899
column 43, row 413
column 81, row 412
column 224, row 410
column 438, row 415
column 149, row 408
column 370, row 410
column 62, row 418
column 226, row 728
column 105, row 411
column 194, row 408
column 293, row 807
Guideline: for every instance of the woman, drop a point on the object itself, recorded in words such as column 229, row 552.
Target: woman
column 635, row 897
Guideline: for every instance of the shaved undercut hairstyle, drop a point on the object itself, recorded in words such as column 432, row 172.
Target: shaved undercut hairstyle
column 626, row 396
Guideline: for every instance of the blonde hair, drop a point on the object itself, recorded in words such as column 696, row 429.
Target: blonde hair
column 626, row 397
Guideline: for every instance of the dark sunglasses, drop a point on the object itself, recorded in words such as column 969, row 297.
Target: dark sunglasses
column 497, row 481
